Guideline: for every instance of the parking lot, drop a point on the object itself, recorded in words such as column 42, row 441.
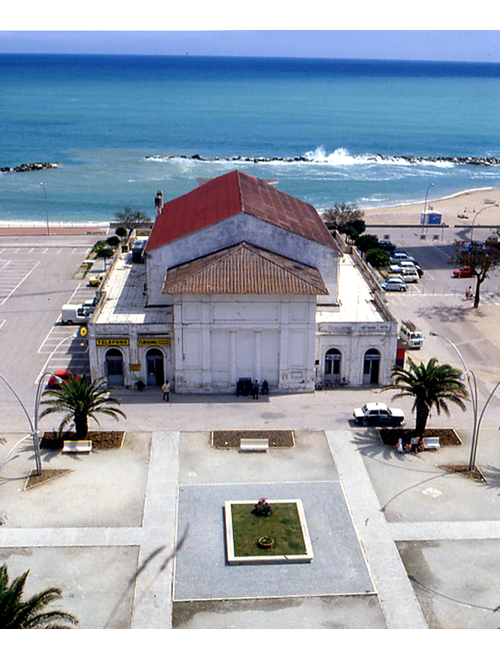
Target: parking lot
column 38, row 276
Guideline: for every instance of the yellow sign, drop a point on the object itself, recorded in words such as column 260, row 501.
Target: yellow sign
column 83, row 331
column 134, row 367
column 112, row 342
column 153, row 341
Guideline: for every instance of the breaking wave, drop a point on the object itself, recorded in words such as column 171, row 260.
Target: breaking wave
column 340, row 158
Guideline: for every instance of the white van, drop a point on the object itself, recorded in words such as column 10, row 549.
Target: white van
column 411, row 334
column 71, row 314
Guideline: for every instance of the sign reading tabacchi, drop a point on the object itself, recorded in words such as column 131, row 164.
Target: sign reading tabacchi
column 112, row 342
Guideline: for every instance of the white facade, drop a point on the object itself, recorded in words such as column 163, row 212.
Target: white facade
column 219, row 340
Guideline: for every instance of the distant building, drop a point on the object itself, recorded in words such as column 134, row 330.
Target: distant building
column 241, row 281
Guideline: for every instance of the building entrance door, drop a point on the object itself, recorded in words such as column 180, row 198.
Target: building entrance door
column 114, row 367
column 371, row 367
column 156, row 373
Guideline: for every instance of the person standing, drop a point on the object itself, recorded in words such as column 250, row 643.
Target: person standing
column 165, row 388
column 255, row 389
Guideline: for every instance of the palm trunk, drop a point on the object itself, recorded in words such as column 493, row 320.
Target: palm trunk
column 421, row 417
column 81, row 425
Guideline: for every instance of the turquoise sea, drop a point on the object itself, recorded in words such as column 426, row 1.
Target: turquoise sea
column 122, row 127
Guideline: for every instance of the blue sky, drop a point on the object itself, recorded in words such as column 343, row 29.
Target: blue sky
column 377, row 30
column 395, row 44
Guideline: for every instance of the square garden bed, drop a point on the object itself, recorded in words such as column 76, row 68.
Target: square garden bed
column 280, row 537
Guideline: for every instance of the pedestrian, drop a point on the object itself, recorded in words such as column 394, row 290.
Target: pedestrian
column 165, row 388
column 255, row 389
column 468, row 294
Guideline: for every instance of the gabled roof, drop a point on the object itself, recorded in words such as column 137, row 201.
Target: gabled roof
column 228, row 195
column 244, row 268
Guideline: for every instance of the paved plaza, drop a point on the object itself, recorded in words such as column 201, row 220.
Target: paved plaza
column 388, row 535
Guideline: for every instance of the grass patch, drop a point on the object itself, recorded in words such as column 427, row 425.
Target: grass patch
column 283, row 525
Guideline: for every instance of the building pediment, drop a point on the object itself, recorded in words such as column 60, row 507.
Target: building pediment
column 244, row 269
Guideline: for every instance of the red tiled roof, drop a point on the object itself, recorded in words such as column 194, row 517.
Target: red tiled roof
column 228, row 195
column 244, row 268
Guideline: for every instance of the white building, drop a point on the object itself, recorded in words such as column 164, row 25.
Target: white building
column 240, row 281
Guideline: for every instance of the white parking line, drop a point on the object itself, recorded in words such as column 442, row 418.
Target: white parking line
column 17, row 287
column 73, row 294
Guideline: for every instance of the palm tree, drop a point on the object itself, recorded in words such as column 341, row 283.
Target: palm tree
column 431, row 385
column 80, row 400
column 30, row 613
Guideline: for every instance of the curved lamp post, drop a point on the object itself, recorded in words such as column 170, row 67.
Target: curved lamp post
column 474, row 220
column 35, row 431
column 46, row 208
column 476, row 420
column 431, row 185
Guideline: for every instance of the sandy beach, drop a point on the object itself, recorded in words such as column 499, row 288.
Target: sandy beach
column 465, row 204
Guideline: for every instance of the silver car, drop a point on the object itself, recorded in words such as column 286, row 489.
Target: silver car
column 394, row 284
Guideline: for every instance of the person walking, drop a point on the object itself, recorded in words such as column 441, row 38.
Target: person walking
column 165, row 388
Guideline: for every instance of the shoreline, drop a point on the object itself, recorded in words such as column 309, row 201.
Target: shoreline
column 459, row 208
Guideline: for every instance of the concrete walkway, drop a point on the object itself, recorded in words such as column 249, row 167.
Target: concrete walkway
column 394, row 590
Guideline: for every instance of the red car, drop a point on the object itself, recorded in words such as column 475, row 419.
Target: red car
column 61, row 375
column 465, row 271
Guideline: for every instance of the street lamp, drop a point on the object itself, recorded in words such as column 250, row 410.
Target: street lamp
column 35, row 431
column 33, row 434
column 474, row 220
column 476, row 421
column 431, row 185
column 46, row 208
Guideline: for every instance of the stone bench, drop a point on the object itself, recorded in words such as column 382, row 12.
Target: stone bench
column 76, row 446
column 254, row 444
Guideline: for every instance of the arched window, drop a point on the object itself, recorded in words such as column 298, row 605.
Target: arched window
column 371, row 367
column 333, row 359
column 114, row 367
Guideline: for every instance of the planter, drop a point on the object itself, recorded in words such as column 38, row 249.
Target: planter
column 265, row 542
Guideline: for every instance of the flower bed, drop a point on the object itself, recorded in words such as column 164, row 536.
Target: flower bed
column 285, row 525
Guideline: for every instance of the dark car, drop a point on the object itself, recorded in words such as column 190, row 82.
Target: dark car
column 138, row 251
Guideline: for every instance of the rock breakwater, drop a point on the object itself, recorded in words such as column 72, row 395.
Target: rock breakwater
column 29, row 167
column 454, row 160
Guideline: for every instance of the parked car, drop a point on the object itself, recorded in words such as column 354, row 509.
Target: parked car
column 378, row 414
column 411, row 263
column 394, row 283
column 61, row 375
column 409, row 275
column 138, row 251
column 399, row 254
column 464, row 271
column 95, row 280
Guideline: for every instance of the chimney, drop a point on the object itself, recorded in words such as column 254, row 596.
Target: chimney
column 158, row 203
